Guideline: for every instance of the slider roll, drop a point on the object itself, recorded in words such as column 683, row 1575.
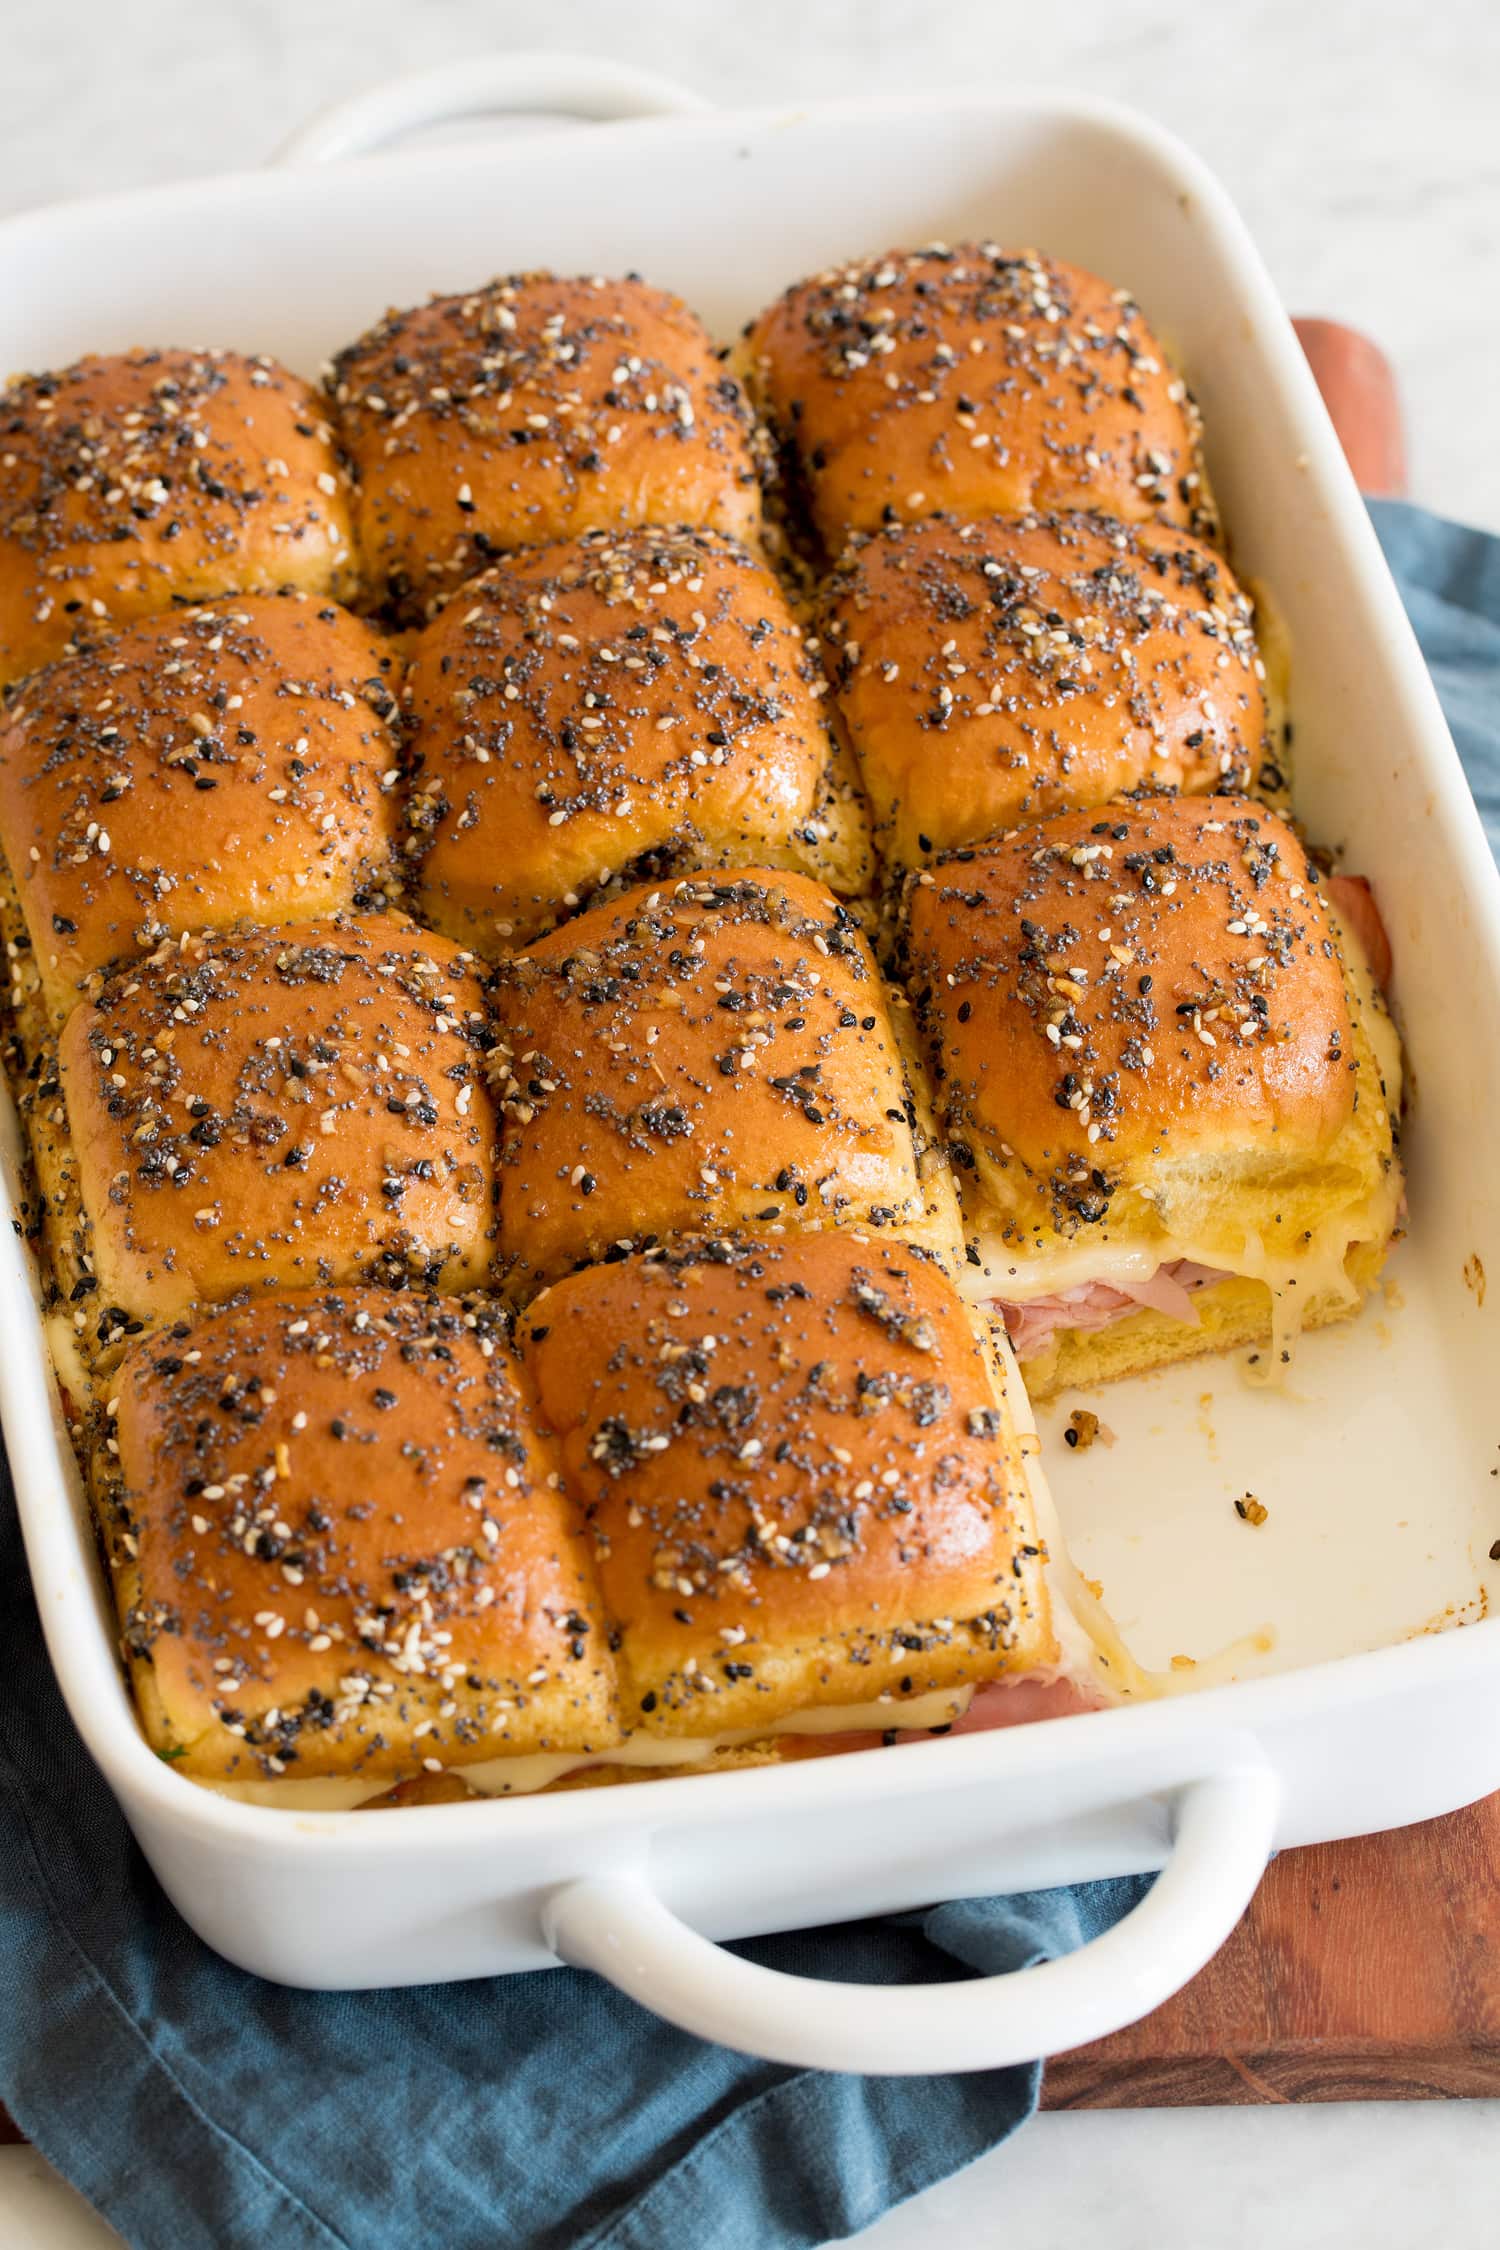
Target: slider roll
column 1167, row 1079
column 990, row 673
column 529, row 411
column 339, row 1546
column 271, row 1109
column 971, row 382
column 132, row 482
column 629, row 705
column 717, row 1053
column 235, row 761
column 801, row 1477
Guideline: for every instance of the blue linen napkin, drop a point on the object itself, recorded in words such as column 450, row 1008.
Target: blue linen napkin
column 1449, row 576
column 201, row 2109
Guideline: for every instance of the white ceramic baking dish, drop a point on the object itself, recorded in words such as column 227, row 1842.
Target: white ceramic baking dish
column 1352, row 1710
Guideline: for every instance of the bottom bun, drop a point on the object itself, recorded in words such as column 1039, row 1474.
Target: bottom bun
column 450, row 1788
column 1233, row 1315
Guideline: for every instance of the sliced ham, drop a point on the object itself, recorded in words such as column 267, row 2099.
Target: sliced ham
column 1169, row 1290
column 1092, row 1305
column 1007, row 1703
column 1354, row 902
column 1015, row 1703
column 996, row 1703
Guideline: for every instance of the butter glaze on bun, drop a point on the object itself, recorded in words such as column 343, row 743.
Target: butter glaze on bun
column 340, row 1547
column 990, row 673
column 800, row 1474
column 628, row 705
column 233, row 761
column 532, row 410
column 132, row 482
column 718, row 1053
column 285, row 1107
column 971, row 382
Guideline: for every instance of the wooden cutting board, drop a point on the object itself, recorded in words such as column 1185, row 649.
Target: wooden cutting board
column 1366, row 1971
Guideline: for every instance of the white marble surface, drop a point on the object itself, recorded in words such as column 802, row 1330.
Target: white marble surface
column 1362, row 2176
column 1360, row 141
column 1361, row 144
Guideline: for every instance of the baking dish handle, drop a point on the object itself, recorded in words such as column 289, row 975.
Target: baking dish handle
column 1223, row 1830
column 485, row 86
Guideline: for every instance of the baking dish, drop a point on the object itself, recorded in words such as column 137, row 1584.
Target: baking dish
column 1349, row 1710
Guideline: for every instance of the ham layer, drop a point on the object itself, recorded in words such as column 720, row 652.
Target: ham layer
column 1098, row 1304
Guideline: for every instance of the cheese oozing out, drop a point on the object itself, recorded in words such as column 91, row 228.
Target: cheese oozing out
column 523, row 1776
column 995, row 1273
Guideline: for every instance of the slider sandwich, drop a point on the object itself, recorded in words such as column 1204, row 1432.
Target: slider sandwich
column 970, row 381
column 718, row 1506
column 1168, row 1080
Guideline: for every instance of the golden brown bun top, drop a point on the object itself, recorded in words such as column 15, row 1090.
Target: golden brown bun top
column 717, row 1053
column 284, row 1107
column 997, row 672
column 533, row 409
column 132, row 481
column 635, row 701
column 976, row 382
column 346, row 1521
column 1109, row 991
column 801, row 1480
column 225, row 762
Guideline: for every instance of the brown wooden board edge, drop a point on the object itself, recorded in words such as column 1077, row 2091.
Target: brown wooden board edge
column 1365, row 1970
column 1305, row 2070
